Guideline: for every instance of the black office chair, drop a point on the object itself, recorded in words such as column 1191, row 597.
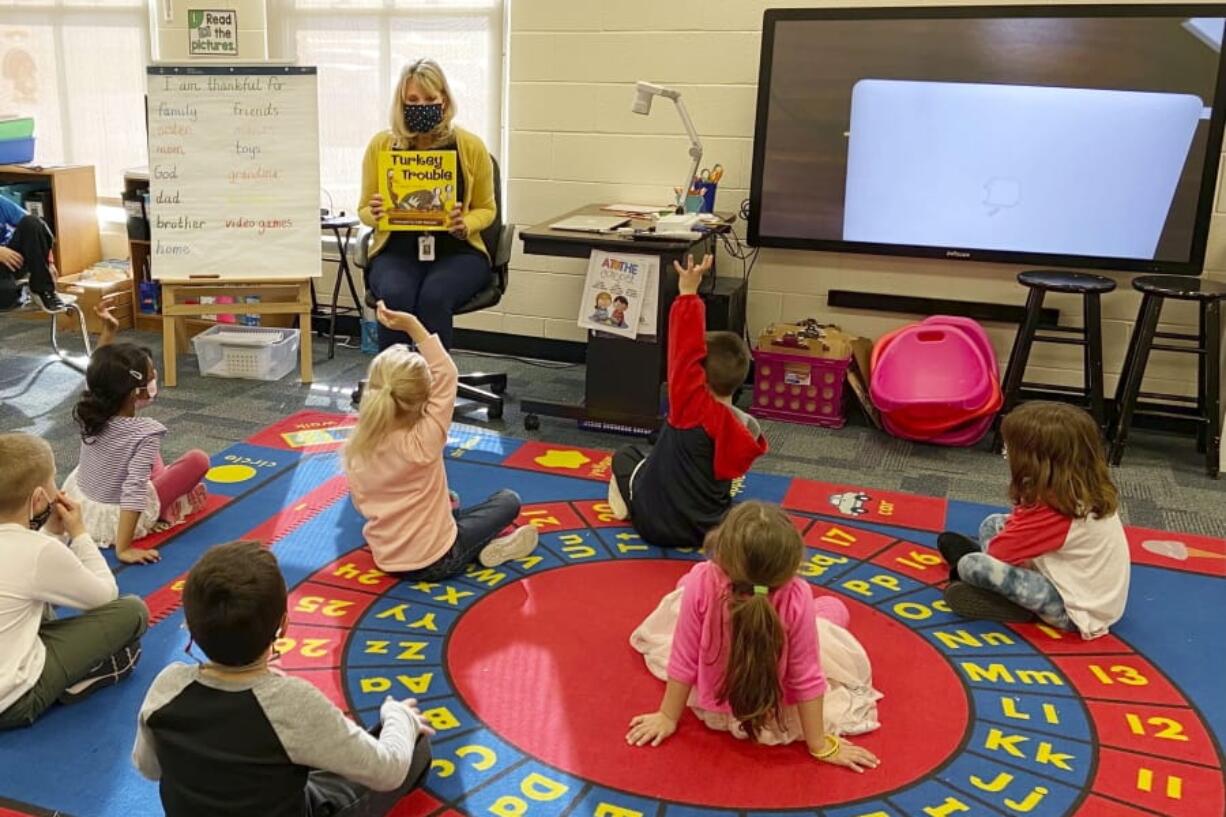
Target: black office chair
column 497, row 238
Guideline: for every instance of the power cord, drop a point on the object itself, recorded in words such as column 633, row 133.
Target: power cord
column 736, row 247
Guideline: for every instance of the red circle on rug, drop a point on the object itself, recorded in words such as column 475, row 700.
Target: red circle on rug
column 546, row 663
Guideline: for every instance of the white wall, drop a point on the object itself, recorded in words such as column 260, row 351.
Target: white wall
column 573, row 141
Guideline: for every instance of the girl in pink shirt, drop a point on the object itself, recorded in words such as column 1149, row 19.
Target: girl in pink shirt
column 394, row 462
column 745, row 651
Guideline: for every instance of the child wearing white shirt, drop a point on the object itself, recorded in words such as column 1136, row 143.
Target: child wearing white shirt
column 43, row 659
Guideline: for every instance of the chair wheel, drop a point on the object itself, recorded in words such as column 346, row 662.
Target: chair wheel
column 494, row 412
column 532, row 422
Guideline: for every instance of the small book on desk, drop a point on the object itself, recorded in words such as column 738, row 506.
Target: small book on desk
column 590, row 224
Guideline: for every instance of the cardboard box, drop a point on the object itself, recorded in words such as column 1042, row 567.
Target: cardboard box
column 810, row 339
column 93, row 286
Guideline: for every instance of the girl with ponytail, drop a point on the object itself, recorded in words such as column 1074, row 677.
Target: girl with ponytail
column 124, row 489
column 738, row 642
column 394, row 462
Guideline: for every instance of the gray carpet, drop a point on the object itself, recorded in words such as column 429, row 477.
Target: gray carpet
column 1162, row 480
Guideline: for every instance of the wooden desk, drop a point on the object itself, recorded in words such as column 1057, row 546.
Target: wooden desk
column 622, row 387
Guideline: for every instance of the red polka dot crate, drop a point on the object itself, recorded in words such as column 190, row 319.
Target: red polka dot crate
column 800, row 372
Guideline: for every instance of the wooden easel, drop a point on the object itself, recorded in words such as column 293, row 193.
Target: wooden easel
column 277, row 297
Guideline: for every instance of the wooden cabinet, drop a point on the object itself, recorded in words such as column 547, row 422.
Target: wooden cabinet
column 73, row 213
column 136, row 184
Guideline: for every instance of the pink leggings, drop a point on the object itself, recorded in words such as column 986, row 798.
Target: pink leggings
column 179, row 478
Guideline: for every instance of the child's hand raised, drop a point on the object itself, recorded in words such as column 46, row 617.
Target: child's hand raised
column 401, row 322
column 103, row 310
column 653, row 728
column 690, row 276
column 110, row 324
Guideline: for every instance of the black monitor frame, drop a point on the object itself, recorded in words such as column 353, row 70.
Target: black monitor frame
column 1209, row 176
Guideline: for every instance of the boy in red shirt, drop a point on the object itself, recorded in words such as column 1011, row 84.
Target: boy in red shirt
column 680, row 490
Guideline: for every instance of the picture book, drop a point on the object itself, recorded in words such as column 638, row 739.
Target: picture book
column 615, row 290
column 418, row 188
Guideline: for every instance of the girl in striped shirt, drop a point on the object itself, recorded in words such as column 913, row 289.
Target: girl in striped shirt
column 124, row 488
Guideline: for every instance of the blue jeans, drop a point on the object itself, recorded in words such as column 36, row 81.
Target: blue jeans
column 431, row 290
column 476, row 527
column 1025, row 588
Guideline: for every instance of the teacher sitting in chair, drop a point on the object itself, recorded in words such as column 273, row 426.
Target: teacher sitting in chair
column 429, row 274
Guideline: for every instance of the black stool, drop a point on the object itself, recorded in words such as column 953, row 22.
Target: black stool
column 1208, row 344
column 1089, row 336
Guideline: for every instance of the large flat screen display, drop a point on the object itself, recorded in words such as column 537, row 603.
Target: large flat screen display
column 1083, row 136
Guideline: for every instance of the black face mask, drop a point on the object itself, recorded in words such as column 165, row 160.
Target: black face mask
column 423, row 118
column 39, row 519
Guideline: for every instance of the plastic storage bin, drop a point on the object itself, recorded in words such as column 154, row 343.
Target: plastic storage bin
column 248, row 352
column 19, row 128
column 16, row 151
column 799, row 388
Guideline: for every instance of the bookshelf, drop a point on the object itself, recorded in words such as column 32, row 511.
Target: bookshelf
column 72, row 214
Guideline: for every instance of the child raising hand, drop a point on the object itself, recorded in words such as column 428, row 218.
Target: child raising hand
column 394, row 462
column 677, row 491
column 124, row 489
column 740, row 640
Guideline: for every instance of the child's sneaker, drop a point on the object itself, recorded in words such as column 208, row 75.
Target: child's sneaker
column 969, row 601
column 953, row 546
column 506, row 548
column 105, row 673
column 617, row 505
column 188, row 505
column 197, row 499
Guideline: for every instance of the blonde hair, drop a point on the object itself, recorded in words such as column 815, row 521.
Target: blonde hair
column 759, row 550
column 433, row 81
column 26, row 463
column 1056, row 459
column 398, row 385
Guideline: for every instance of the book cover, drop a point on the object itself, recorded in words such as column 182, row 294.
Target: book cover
column 418, row 188
column 614, row 292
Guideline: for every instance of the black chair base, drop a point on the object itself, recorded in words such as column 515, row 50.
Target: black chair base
column 1205, row 344
column 1088, row 336
column 469, row 389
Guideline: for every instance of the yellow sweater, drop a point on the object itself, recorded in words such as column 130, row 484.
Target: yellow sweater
column 479, row 205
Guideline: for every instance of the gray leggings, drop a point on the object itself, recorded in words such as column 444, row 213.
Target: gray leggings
column 1025, row 588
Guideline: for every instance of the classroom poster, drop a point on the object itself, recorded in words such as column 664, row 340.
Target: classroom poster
column 418, row 188
column 615, row 290
column 212, row 32
column 233, row 172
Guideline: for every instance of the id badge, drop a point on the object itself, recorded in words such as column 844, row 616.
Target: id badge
column 425, row 248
